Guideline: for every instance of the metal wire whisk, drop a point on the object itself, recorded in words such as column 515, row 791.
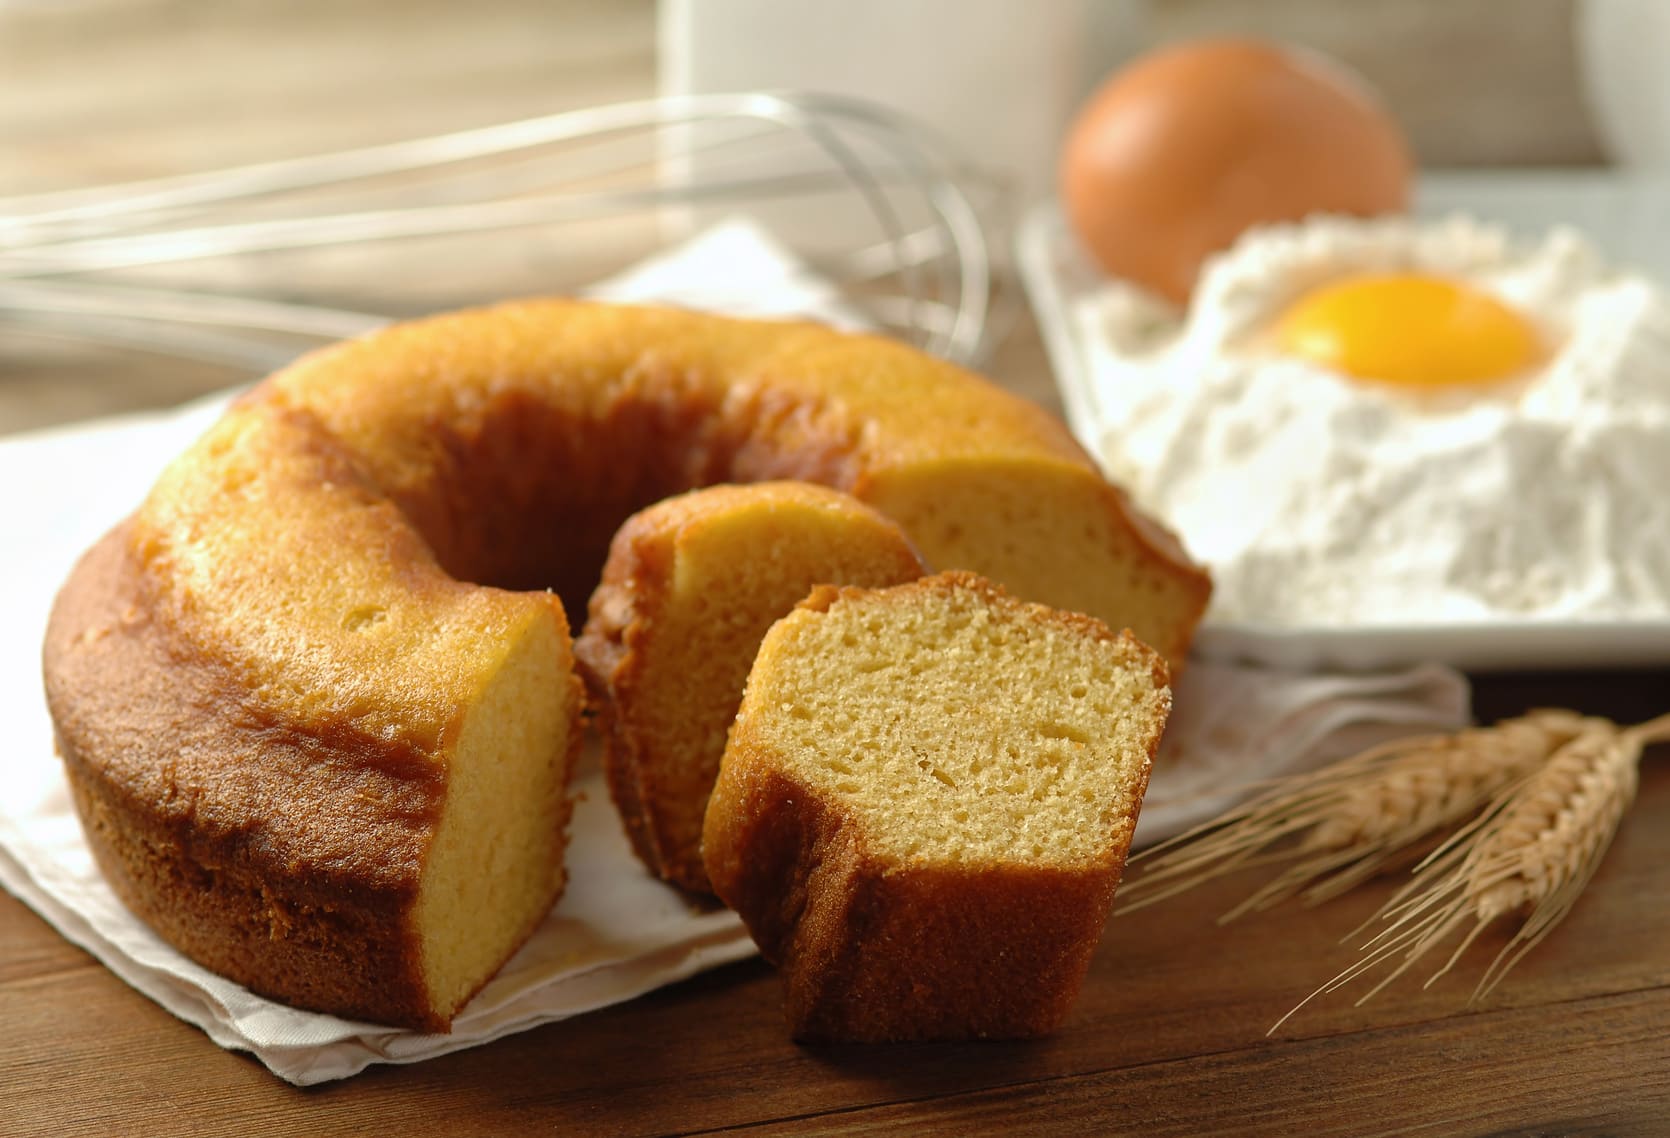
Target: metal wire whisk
column 875, row 205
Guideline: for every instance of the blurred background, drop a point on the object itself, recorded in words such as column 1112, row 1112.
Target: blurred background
column 102, row 92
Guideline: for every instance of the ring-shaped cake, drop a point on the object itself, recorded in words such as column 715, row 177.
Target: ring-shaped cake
column 316, row 697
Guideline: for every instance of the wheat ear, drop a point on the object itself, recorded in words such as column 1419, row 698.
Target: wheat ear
column 1532, row 850
column 1342, row 824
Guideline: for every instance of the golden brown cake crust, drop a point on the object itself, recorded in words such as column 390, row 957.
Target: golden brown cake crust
column 871, row 955
column 608, row 660
column 256, row 680
column 872, row 949
column 580, row 414
column 281, row 859
column 638, row 632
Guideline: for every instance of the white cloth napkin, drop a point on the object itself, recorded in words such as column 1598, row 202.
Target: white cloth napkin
column 616, row 933
column 1233, row 725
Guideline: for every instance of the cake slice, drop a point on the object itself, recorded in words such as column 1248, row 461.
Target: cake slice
column 691, row 585
column 925, row 805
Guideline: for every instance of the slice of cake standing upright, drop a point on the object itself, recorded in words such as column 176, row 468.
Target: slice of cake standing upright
column 925, row 805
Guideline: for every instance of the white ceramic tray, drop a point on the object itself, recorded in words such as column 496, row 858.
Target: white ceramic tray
column 1628, row 218
column 1494, row 647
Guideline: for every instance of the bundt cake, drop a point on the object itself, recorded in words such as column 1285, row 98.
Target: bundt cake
column 301, row 752
column 314, row 698
column 690, row 586
column 925, row 805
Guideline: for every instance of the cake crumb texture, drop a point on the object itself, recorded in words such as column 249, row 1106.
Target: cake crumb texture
column 925, row 805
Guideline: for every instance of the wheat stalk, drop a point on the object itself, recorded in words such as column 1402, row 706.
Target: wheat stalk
column 1545, row 792
column 1531, row 851
column 1340, row 825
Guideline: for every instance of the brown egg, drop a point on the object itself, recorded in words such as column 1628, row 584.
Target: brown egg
column 1179, row 153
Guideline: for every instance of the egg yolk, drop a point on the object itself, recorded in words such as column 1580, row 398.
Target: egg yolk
column 1408, row 328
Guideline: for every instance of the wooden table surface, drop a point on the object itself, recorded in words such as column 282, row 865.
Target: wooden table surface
column 1169, row 1035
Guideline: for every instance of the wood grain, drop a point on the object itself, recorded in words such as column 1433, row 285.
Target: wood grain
column 1586, row 1083
column 1168, row 1036
column 98, row 92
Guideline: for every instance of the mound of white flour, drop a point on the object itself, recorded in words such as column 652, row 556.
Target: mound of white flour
column 1323, row 501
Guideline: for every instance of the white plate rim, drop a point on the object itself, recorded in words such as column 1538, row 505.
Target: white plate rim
column 1486, row 646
